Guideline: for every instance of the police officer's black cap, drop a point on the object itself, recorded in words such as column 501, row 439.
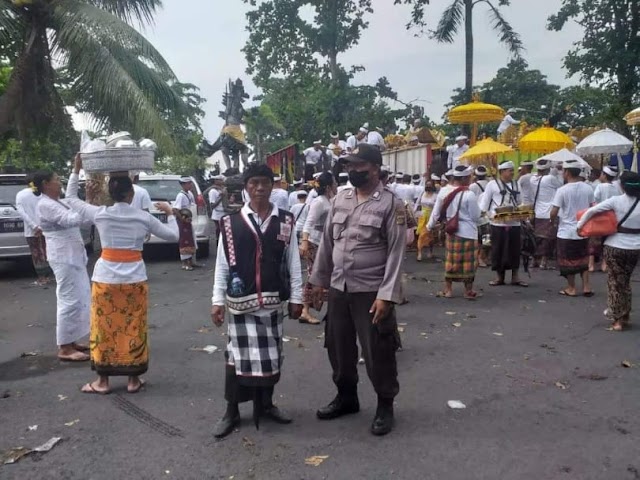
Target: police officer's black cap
column 365, row 153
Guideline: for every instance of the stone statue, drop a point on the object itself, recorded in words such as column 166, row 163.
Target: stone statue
column 231, row 142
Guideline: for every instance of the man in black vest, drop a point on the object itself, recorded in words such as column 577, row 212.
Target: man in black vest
column 257, row 271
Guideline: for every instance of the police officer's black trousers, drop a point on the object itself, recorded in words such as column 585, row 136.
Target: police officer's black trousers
column 348, row 317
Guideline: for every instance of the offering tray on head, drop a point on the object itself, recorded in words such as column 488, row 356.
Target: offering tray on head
column 118, row 159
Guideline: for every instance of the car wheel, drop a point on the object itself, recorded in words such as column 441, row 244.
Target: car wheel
column 203, row 250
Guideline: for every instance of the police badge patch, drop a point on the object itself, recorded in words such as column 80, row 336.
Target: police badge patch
column 401, row 216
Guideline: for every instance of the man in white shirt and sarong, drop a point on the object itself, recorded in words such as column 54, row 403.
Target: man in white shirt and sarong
column 545, row 185
column 313, row 159
column 279, row 196
column 257, row 271
column 185, row 210
column 27, row 206
column 573, row 250
column 505, row 235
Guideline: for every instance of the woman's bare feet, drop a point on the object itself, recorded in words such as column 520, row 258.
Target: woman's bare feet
column 135, row 384
column 99, row 386
column 67, row 353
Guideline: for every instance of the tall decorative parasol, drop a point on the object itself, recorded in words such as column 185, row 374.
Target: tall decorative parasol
column 474, row 113
column 605, row 142
column 487, row 149
column 633, row 117
column 545, row 140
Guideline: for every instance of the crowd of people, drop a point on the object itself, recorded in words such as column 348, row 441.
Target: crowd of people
column 349, row 233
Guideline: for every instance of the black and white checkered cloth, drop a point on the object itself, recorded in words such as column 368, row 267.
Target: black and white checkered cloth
column 255, row 343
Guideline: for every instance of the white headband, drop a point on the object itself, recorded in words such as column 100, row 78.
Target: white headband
column 506, row 166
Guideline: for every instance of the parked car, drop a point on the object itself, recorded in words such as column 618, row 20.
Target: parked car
column 165, row 188
column 12, row 241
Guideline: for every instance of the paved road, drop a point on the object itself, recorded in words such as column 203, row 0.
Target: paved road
column 546, row 395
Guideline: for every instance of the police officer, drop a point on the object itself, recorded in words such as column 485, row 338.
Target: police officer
column 360, row 262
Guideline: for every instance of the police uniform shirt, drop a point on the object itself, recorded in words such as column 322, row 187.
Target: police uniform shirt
column 363, row 245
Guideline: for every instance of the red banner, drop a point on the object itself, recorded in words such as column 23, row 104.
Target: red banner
column 282, row 162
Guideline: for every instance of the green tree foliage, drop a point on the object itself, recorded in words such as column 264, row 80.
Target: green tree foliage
column 460, row 14
column 265, row 132
column 283, row 40
column 311, row 106
column 111, row 67
column 609, row 53
column 537, row 100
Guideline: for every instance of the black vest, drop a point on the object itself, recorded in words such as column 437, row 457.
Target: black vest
column 256, row 262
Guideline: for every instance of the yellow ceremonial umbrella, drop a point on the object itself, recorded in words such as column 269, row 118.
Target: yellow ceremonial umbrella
column 485, row 149
column 545, row 140
column 474, row 113
column 633, row 118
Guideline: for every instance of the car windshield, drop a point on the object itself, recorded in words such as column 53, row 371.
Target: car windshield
column 164, row 190
column 161, row 190
column 8, row 191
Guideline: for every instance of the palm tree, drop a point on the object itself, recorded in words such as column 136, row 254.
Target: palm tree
column 462, row 10
column 111, row 66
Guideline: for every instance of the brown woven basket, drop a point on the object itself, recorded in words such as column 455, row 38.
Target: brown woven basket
column 118, row 160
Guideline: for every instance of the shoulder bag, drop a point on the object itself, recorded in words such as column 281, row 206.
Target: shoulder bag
column 606, row 223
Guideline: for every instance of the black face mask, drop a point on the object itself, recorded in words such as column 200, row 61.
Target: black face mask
column 358, row 179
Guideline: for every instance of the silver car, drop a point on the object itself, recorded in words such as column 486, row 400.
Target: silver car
column 165, row 188
column 13, row 245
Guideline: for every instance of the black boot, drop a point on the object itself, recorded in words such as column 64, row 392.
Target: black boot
column 269, row 410
column 343, row 404
column 383, row 421
column 229, row 422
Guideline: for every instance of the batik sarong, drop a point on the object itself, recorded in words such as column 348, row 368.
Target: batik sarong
column 118, row 340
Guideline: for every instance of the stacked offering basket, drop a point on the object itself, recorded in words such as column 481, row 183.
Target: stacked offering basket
column 513, row 214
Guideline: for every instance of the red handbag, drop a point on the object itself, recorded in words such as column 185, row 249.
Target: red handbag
column 600, row 225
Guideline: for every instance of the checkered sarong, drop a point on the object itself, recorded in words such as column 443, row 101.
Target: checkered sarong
column 255, row 344
column 460, row 261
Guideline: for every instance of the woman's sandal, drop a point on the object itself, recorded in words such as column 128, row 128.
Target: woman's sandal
column 444, row 295
column 564, row 293
column 472, row 295
column 497, row 283
column 75, row 357
column 520, row 283
column 91, row 389
column 309, row 320
column 140, row 386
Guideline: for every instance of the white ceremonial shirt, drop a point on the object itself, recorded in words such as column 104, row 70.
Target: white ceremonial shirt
column 621, row 205
column 293, row 262
column 184, row 200
column 312, row 156
column 469, row 213
column 313, row 194
column 506, row 123
column 500, row 194
column 478, row 187
column 526, row 190
column 375, row 138
column 316, row 218
column 570, row 199
column 352, row 143
column 549, row 185
column 214, row 196
column 280, row 198
column 27, row 206
column 455, row 152
column 405, row 192
column 604, row 191
column 141, row 199
column 293, row 198
column 300, row 211
column 121, row 227
column 61, row 228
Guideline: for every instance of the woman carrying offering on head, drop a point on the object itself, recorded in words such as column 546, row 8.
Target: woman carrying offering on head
column 119, row 294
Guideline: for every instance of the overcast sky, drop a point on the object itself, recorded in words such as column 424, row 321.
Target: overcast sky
column 203, row 42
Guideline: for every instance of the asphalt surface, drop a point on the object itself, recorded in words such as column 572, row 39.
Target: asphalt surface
column 542, row 379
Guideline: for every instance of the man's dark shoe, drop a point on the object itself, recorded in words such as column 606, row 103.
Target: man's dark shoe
column 226, row 425
column 383, row 421
column 277, row 415
column 338, row 407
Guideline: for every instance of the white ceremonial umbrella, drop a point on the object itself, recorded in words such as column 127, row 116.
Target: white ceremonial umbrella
column 604, row 142
column 561, row 156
